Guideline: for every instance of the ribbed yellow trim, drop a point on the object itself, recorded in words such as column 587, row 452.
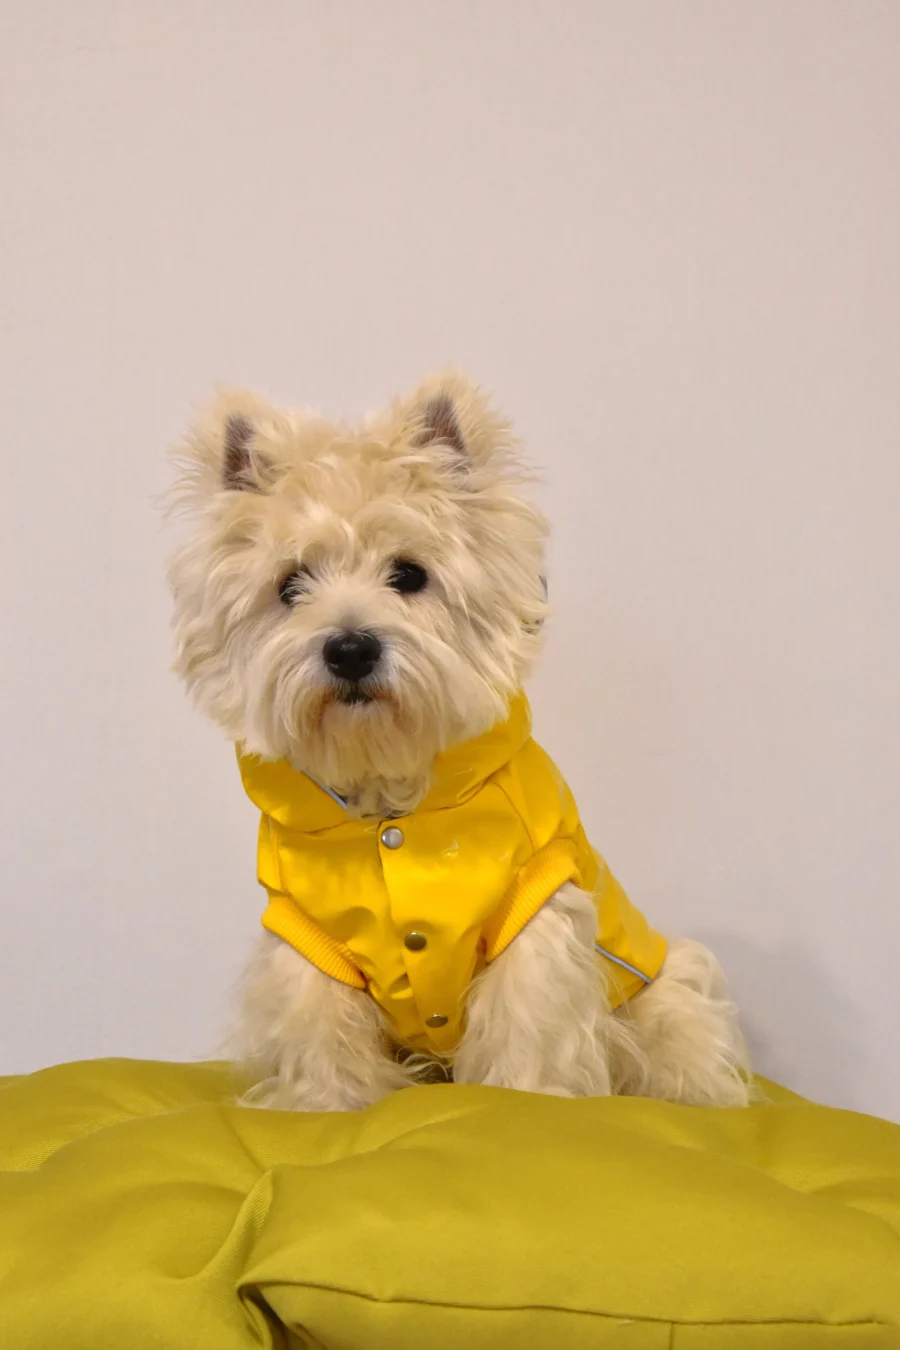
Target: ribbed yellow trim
column 550, row 868
column 286, row 920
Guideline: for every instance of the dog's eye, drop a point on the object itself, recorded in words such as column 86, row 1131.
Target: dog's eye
column 407, row 577
column 292, row 586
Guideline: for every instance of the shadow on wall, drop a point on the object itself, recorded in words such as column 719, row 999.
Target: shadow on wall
column 801, row 1029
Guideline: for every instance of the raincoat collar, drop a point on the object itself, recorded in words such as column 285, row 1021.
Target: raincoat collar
column 296, row 801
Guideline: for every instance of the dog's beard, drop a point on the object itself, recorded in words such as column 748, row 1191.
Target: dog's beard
column 354, row 695
column 373, row 742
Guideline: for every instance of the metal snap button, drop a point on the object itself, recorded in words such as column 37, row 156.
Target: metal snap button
column 436, row 1020
column 415, row 942
column 392, row 837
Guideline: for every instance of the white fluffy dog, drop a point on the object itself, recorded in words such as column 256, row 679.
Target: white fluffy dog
column 358, row 607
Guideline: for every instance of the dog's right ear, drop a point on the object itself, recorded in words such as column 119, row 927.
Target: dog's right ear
column 229, row 437
column 237, row 462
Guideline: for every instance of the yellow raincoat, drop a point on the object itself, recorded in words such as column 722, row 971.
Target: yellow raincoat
column 412, row 909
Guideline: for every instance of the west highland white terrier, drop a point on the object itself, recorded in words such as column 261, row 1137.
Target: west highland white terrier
column 358, row 607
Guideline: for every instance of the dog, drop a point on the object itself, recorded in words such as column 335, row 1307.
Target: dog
column 358, row 608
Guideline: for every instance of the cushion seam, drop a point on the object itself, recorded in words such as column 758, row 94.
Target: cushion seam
column 575, row 1312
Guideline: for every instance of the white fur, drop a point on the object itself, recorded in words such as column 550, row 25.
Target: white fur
column 435, row 479
column 312, row 1043
column 539, row 1019
column 685, row 1042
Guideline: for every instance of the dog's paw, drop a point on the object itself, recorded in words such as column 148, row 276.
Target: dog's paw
column 273, row 1095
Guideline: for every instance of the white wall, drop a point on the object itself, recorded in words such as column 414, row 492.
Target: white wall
column 667, row 237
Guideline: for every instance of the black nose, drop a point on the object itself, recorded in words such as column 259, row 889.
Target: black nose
column 352, row 656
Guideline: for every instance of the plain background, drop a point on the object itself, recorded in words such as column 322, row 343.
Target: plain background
column 666, row 236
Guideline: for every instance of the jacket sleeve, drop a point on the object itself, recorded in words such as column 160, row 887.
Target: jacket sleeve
column 540, row 796
column 284, row 917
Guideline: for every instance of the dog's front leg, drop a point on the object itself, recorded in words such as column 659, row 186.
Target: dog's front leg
column 311, row 1042
column 538, row 1018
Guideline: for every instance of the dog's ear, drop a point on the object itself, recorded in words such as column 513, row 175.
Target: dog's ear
column 237, row 463
column 439, row 423
column 229, row 438
column 450, row 412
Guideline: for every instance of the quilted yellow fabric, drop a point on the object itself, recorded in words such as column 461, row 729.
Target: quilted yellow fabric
column 139, row 1211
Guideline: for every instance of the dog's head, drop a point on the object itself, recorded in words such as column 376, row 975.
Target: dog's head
column 357, row 599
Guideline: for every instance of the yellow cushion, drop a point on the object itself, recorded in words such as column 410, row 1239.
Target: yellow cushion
column 140, row 1212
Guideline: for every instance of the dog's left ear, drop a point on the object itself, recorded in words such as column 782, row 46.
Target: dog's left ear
column 440, row 424
column 452, row 413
